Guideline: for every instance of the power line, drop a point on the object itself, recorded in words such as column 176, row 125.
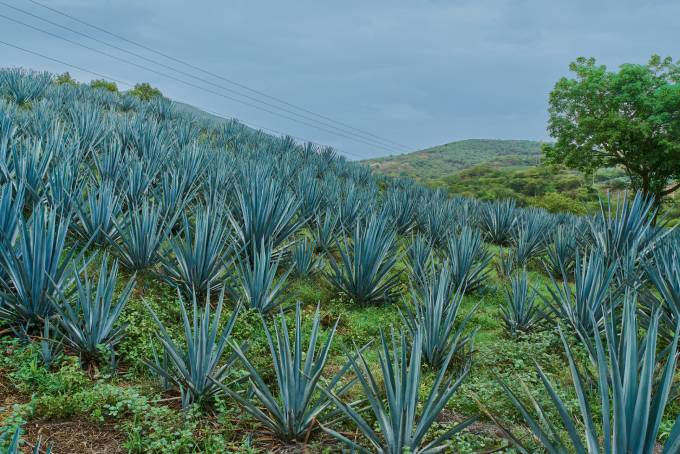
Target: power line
column 130, row 85
column 344, row 134
column 197, row 68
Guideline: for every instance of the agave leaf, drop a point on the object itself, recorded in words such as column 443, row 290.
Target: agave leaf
column 196, row 362
column 367, row 259
column 293, row 414
column 628, row 384
column 89, row 322
column 402, row 419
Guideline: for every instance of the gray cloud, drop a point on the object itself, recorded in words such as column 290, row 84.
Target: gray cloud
column 418, row 72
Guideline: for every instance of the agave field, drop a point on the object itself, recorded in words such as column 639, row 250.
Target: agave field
column 174, row 284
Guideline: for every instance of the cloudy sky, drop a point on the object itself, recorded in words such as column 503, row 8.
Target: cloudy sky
column 416, row 73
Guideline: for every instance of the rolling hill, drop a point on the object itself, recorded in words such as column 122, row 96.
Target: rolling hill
column 443, row 160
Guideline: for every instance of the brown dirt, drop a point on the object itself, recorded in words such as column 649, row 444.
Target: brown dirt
column 74, row 436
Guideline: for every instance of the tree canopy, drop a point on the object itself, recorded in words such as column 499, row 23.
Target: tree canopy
column 145, row 91
column 105, row 85
column 628, row 118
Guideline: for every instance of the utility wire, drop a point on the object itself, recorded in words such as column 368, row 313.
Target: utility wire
column 130, row 85
column 344, row 134
column 197, row 68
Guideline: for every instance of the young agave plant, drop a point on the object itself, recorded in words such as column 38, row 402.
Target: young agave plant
column 469, row 259
column 299, row 406
column 497, row 219
column 562, row 249
column 521, row 312
column 634, row 383
column 529, row 237
column 265, row 212
column 50, row 346
column 367, row 259
column 261, row 289
column 664, row 274
column 402, row 418
column 141, row 237
column 38, row 268
column 325, row 231
column 196, row 364
column 23, row 86
column 588, row 299
column 31, row 160
column 628, row 229
column 303, row 257
column 419, row 256
column 97, row 215
column 89, row 322
column 435, row 222
column 200, row 254
column 433, row 312
column 401, row 209
column 11, row 206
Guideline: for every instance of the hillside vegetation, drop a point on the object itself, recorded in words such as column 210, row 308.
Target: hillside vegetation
column 443, row 160
column 510, row 169
column 177, row 284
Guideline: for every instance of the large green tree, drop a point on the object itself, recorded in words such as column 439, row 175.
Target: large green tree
column 628, row 118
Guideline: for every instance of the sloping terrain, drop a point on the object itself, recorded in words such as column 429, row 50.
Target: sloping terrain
column 443, row 160
column 174, row 283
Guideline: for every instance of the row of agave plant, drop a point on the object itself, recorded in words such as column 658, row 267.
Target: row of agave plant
column 90, row 179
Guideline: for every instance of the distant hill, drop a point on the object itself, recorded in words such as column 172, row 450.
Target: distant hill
column 438, row 162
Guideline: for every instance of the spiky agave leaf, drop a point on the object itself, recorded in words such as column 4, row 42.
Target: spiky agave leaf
column 497, row 219
column 433, row 311
column 521, row 311
column 200, row 254
column 420, row 256
column 469, row 259
column 50, row 345
column 31, row 161
column 197, row 363
column 309, row 191
column 38, row 268
column 400, row 206
column 89, row 321
column 96, row 216
column 11, row 206
column 403, row 419
column 299, row 406
column 590, row 297
column 664, row 273
column 90, row 126
column 141, row 237
column 266, row 211
column 261, row 288
column 325, row 230
column 15, row 442
column 367, row 259
column 302, row 253
column 633, row 383
column 627, row 234
column 22, row 86
column 562, row 249
column 434, row 221
column 530, row 235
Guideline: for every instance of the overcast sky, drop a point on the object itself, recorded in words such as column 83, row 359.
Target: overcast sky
column 419, row 73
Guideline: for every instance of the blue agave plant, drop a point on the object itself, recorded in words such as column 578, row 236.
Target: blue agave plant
column 366, row 261
column 293, row 411
column 633, row 384
column 89, row 322
column 403, row 419
column 197, row 363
